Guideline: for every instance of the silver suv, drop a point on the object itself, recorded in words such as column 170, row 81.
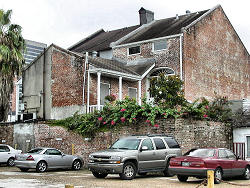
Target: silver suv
column 135, row 154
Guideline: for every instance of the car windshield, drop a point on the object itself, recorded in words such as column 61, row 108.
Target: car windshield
column 36, row 150
column 127, row 143
column 200, row 153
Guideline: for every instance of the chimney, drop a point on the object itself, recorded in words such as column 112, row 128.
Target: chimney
column 188, row 11
column 146, row 16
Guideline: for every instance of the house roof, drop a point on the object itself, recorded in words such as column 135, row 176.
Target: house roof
column 164, row 27
column 137, row 69
column 101, row 40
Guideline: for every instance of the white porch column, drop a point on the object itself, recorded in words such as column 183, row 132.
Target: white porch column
column 98, row 90
column 139, row 92
column 120, row 88
column 88, row 92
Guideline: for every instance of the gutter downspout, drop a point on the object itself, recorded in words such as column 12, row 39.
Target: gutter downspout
column 181, row 68
column 88, row 90
column 84, row 78
column 44, row 61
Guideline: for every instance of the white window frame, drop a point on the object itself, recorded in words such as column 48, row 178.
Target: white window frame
column 136, row 92
column 153, row 46
column 133, row 47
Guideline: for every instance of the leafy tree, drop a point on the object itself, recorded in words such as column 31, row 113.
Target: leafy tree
column 11, row 59
column 167, row 91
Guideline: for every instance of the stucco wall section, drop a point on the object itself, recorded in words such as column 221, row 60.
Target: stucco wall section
column 215, row 60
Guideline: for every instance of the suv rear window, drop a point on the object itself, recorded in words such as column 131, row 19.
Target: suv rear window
column 171, row 142
column 159, row 144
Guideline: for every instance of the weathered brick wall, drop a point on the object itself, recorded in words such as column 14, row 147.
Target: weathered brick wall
column 164, row 58
column 215, row 59
column 67, row 79
column 188, row 133
column 6, row 133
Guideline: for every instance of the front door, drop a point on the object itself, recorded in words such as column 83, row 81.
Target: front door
column 105, row 90
column 147, row 157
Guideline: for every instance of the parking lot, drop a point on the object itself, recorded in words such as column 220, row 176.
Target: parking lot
column 12, row 177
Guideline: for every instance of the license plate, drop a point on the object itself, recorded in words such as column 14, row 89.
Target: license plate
column 185, row 163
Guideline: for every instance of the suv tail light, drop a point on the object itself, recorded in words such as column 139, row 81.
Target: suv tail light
column 30, row 158
column 197, row 164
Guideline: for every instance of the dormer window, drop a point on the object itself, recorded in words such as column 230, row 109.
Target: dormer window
column 159, row 45
column 134, row 50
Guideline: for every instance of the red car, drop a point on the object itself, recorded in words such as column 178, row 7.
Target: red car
column 196, row 162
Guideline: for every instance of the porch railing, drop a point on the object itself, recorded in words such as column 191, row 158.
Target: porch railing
column 92, row 108
column 239, row 150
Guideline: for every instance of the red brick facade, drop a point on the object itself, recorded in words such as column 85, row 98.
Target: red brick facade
column 67, row 79
column 215, row 59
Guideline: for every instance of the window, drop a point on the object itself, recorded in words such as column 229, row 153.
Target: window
column 147, row 142
column 171, row 142
column 52, row 152
column 4, row 149
column 159, row 144
column 160, row 45
column 222, row 154
column 200, row 153
column 134, row 50
column 248, row 146
column 230, row 155
column 132, row 92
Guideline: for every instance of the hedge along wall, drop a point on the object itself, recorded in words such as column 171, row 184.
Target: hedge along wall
column 188, row 133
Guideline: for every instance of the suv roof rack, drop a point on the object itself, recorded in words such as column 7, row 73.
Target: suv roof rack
column 151, row 135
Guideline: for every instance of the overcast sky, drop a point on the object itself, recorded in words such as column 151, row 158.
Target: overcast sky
column 65, row 22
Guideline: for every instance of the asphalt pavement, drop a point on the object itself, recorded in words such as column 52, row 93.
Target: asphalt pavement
column 12, row 177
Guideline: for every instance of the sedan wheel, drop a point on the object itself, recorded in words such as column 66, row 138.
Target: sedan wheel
column 182, row 178
column 217, row 176
column 129, row 171
column 10, row 162
column 246, row 175
column 76, row 165
column 41, row 166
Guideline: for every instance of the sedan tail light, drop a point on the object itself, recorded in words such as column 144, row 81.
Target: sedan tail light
column 30, row 158
column 197, row 164
column 175, row 163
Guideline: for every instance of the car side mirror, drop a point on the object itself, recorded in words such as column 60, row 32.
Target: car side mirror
column 144, row 148
column 237, row 157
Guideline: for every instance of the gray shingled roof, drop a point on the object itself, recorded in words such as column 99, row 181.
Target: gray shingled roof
column 164, row 27
column 136, row 69
column 101, row 40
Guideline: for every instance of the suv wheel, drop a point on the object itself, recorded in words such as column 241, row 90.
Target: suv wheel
column 99, row 175
column 128, row 172
column 166, row 171
column 182, row 178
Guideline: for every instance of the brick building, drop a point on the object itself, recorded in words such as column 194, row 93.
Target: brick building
column 201, row 47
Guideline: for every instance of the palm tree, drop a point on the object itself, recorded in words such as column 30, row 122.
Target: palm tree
column 12, row 46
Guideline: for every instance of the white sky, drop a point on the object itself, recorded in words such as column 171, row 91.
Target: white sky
column 65, row 22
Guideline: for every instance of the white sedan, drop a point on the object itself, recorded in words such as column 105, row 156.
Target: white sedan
column 7, row 154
